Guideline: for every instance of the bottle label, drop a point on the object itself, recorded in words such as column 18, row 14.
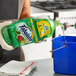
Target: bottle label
column 24, row 33
column 43, row 28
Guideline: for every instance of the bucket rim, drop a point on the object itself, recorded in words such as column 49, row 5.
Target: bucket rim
column 54, row 39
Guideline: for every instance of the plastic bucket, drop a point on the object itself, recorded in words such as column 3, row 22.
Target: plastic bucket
column 64, row 58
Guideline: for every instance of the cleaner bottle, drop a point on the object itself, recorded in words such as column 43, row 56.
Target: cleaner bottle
column 28, row 31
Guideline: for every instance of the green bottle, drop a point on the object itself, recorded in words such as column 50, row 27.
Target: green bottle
column 28, row 31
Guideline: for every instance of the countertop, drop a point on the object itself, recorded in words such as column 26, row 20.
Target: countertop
column 45, row 68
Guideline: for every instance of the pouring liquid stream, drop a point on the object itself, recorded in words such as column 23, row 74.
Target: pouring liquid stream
column 65, row 41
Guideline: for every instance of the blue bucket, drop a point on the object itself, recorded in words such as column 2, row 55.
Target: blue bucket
column 64, row 54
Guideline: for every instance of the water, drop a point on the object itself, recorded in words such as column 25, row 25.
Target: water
column 64, row 34
column 65, row 41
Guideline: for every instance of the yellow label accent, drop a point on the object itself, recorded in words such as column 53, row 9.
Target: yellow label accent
column 34, row 30
column 43, row 28
column 22, row 42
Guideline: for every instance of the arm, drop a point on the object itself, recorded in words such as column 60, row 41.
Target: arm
column 26, row 10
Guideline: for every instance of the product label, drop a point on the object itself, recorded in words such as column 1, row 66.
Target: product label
column 43, row 28
column 24, row 33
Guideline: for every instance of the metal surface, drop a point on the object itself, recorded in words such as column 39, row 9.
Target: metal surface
column 45, row 68
column 55, row 5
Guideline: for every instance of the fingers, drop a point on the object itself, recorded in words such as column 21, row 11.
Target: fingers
column 2, row 41
column 5, row 23
column 6, row 46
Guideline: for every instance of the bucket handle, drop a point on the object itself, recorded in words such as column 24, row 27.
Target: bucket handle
column 58, row 48
column 65, row 45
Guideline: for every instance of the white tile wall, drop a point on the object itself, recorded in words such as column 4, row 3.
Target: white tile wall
column 67, row 16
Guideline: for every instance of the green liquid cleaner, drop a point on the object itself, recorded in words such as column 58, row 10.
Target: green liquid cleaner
column 28, row 31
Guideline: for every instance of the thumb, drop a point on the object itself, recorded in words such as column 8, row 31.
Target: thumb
column 5, row 23
column 2, row 41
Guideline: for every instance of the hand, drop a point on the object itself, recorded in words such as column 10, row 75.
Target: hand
column 2, row 41
column 23, row 15
column 25, row 10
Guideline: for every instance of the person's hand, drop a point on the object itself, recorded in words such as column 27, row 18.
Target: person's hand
column 2, row 41
column 25, row 10
column 24, row 15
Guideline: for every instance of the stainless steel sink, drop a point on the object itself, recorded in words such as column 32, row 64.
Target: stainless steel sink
column 55, row 5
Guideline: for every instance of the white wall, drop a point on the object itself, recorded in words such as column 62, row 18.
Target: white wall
column 36, row 51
